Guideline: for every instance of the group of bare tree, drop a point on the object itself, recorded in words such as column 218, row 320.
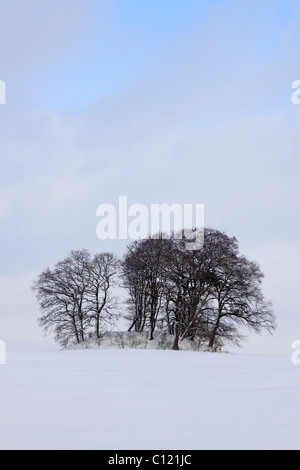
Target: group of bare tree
column 203, row 295
column 76, row 296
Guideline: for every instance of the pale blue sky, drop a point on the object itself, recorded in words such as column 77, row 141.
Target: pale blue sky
column 119, row 43
column 162, row 101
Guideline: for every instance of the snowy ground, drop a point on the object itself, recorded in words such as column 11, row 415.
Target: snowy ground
column 134, row 340
column 148, row 399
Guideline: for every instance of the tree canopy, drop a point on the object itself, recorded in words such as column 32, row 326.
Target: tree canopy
column 203, row 296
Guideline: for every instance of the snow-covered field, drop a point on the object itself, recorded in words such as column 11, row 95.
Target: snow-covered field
column 148, row 399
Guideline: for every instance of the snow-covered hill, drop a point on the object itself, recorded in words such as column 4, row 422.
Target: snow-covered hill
column 134, row 340
column 148, row 399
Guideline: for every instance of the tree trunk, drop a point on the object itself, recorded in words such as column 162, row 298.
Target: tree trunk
column 176, row 340
column 141, row 329
column 212, row 338
column 215, row 330
column 214, row 334
column 76, row 330
column 98, row 326
column 133, row 324
column 151, row 333
column 82, row 335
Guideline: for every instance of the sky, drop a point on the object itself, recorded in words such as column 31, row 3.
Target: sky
column 162, row 102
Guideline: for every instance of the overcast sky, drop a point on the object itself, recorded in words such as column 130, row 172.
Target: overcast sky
column 161, row 101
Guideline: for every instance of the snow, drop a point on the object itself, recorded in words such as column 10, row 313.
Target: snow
column 119, row 399
column 137, row 340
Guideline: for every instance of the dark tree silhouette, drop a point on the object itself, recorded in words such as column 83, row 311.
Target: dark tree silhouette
column 75, row 295
column 202, row 295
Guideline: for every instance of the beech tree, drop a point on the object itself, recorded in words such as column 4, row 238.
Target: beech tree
column 203, row 295
column 187, row 294
column 235, row 290
column 76, row 295
column 167, row 287
column 102, row 304
column 144, row 276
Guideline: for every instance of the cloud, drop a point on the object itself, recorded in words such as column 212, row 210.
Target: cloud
column 208, row 119
column 41, row 33
column 39, row 39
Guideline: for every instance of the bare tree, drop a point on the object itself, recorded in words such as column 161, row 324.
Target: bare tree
column 187, row 293
column 75, row 295
column 236, row 290
column 134, row 278
column 61, row 295
column 144, row 276
column 202, row 295
column 102, row 305
column 167, row 287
